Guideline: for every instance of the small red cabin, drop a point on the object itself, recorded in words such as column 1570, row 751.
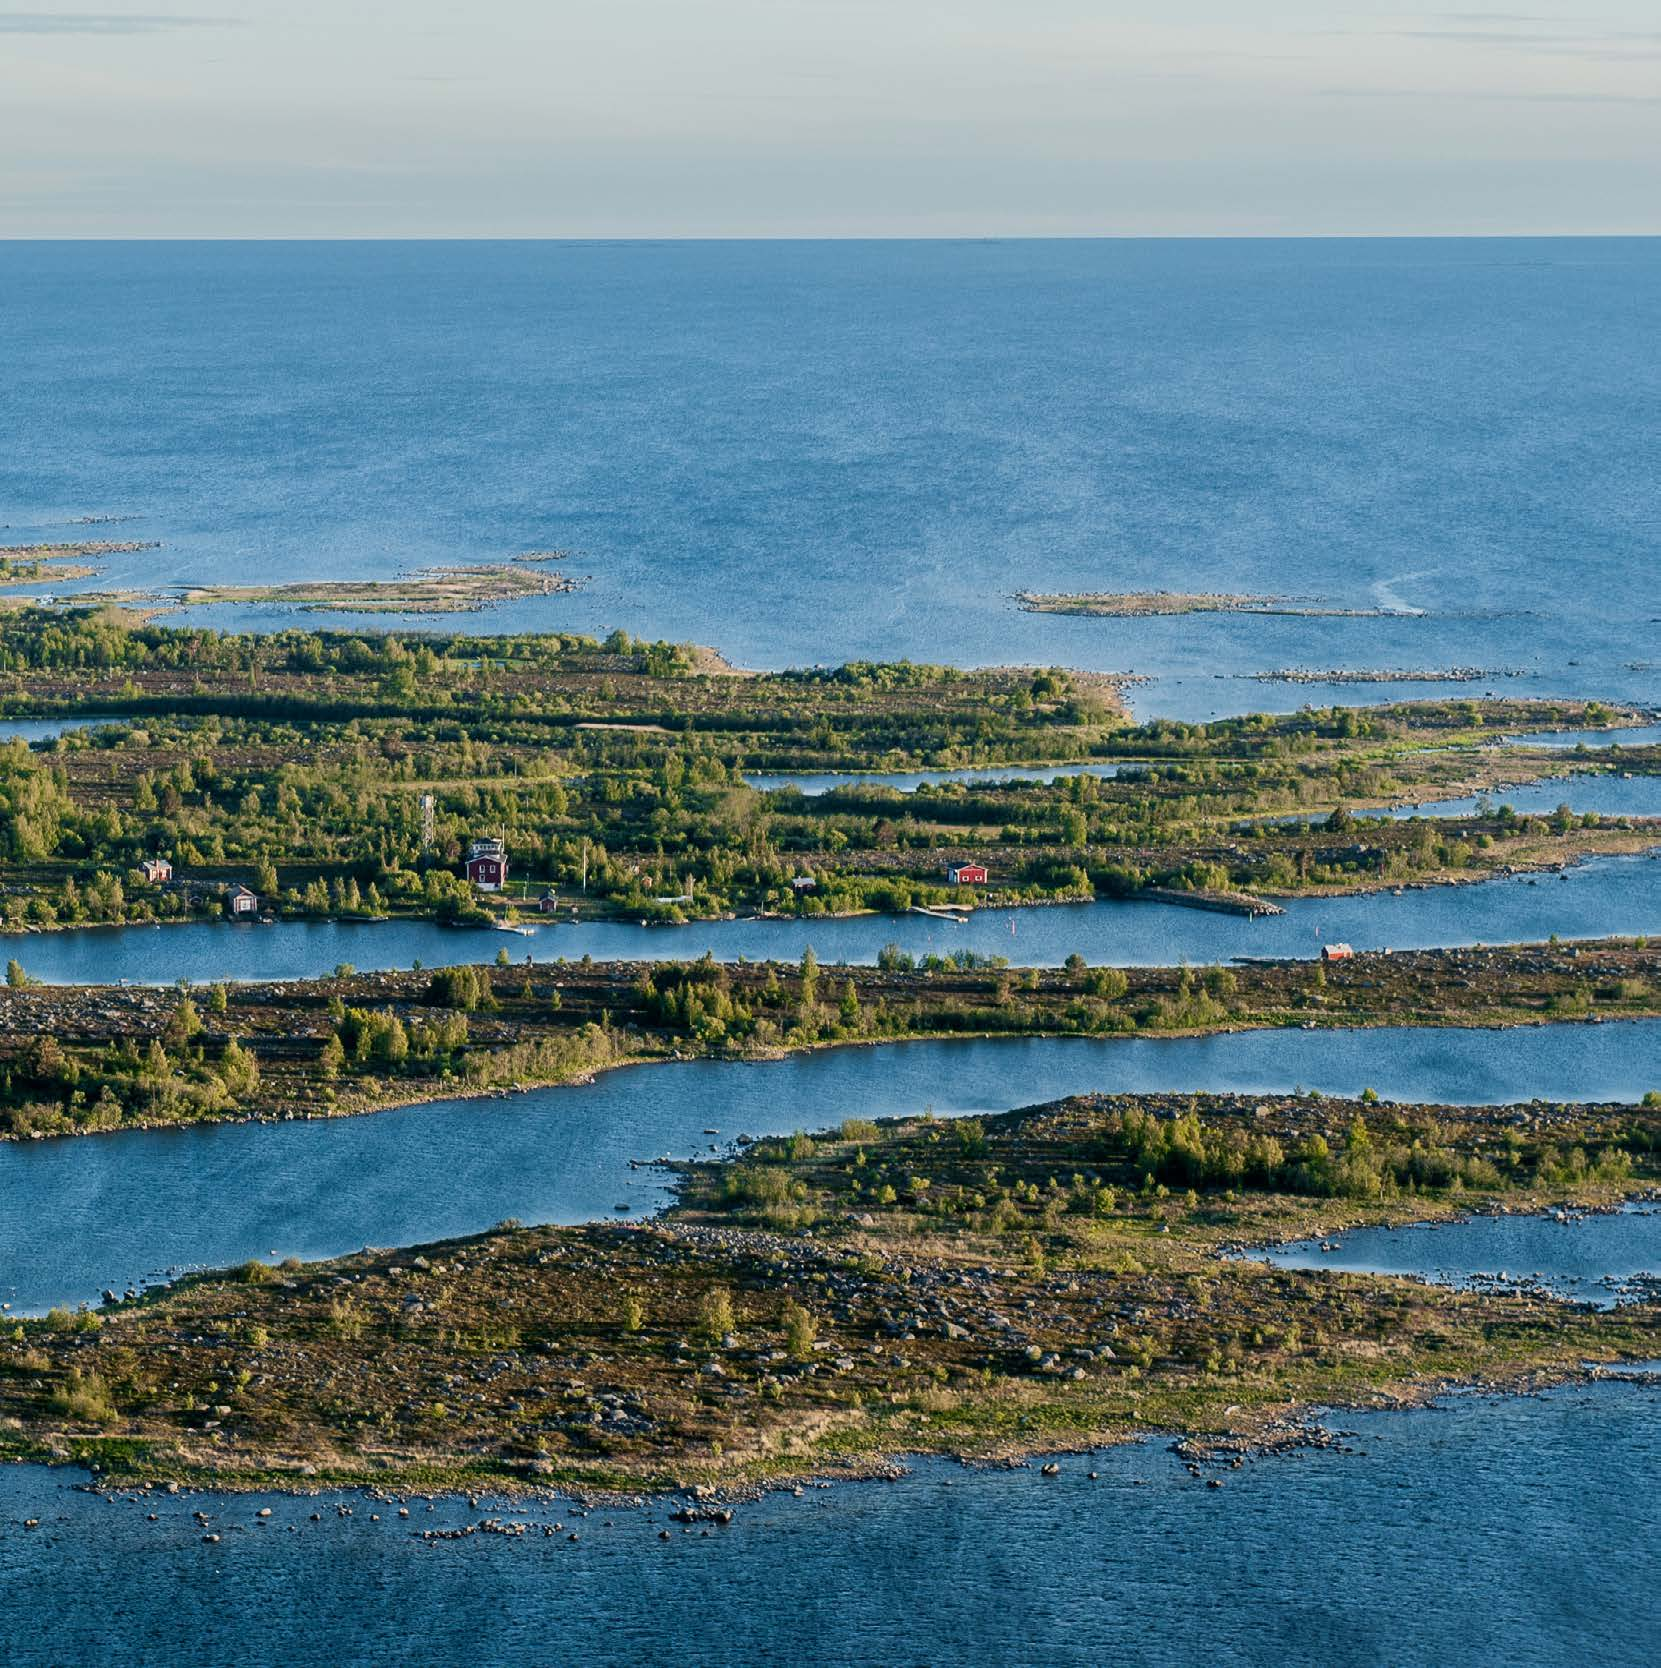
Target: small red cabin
column 157, row 870
column 967, row 874
column 1337, row 952
column 241, row 902
column 487, row 865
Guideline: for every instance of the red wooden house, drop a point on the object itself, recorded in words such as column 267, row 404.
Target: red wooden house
column 487, row 865
column 967, row 874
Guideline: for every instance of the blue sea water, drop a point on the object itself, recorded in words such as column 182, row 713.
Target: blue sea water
column 40, row 730
column 1600, row 1258
column 805, row 452
column 1605, row 795
column 1520, row 1531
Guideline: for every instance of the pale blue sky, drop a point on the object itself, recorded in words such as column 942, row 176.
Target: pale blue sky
column 825, row 118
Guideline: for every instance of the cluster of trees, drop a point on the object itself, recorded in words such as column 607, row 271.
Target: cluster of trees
column 699, row 1002
column 463, row 988
column 103, row 639
column 956, row 1172
column 1362, row 1163
column 704, row 1001
column 377, row 1040
column 180, row 1076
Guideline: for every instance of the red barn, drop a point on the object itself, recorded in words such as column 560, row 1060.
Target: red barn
column 967, row 874
column 1337, row 952
column 487, row 865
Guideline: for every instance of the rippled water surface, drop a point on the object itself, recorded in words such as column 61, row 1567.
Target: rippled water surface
column 1484, row 1532
column 809, row 452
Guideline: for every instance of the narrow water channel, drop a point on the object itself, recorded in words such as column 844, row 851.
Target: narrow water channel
column 1601, row 1258
column 81, row 1213
column 1602, row 897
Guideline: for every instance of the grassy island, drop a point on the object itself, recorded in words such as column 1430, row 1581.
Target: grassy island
column 988, row 1288
column 30, row 564
column 80, row 1060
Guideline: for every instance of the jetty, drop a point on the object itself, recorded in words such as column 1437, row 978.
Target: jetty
column 1222, row 903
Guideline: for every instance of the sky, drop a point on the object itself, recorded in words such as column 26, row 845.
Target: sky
column 826, row 118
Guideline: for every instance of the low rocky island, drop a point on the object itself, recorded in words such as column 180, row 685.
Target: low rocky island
column 988, row 1288
column 461, row 589
column 30, row 564
column 1133, row 605
column 1388, row 674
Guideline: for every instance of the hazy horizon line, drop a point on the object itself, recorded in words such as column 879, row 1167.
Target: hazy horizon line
column 845, row 237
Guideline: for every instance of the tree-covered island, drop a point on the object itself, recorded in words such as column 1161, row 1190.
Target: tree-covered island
column 349, row 776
